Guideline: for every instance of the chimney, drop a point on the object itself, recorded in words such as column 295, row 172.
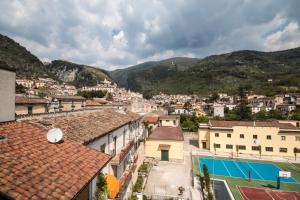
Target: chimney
column 7, row 91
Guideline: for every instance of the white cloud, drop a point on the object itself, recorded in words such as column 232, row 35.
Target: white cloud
column 119, row 33
column 287, row 38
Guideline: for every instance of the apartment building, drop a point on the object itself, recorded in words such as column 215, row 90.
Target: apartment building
column 31, row 105
column 117, row 133
column 69, row 103
column 273, row 137
column 169, row 120
column 7, row 91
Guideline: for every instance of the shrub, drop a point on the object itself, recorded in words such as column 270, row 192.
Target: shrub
column 138, row 186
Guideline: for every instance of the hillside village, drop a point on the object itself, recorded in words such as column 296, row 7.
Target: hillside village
column 150, row 100
column 129, row 135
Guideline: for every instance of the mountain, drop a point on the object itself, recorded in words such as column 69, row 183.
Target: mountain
column 20, row 59
column 264, row 72
column 28, row 65
column 78, row 75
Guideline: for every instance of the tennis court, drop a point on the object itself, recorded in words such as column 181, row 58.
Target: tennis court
column 250, row 193
column 241, row 169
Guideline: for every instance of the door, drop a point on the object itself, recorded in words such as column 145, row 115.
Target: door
column 204, row 145
column 165, row 155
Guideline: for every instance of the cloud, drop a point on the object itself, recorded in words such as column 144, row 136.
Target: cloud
column 120, row 33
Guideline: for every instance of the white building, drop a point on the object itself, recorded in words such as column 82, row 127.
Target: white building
column 218, row 110
column 7, row 91
column 110, row 131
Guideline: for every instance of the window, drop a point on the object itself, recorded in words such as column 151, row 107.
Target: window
column 228, row 135
column 174, row 122
column 269, row 148
column 254, row 136
column 269, row 137
column 283, row 150
column 30, row 109
column 242, row 147
column 102, row 148
column 216, row 134
column 167, row 120
column 242, row 136
column 217, row 146
column 229, row 146
column 282, row 137
column 297, row 138
column 255, row 148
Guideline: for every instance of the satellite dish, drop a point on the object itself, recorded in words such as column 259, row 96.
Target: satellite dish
column 54, row 135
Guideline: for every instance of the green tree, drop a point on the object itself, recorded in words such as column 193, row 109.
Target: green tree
column 20, row 88
column 41, row 94
column 243, row 111
column 91, row 94
column 101, row 193
column 295, row 115
column 203, row 118
column 207, row 182
column 109, row 97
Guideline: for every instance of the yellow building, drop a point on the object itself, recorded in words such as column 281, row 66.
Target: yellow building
column 165, row 143
column 247, row 137
column 169, row 120
column 30, row 105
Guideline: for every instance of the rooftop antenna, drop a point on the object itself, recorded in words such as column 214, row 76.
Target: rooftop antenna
column 54, row 135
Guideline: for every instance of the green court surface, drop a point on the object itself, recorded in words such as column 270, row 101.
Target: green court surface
column 233, row 182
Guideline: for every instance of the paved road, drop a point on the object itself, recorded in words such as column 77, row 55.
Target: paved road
column 166, row 177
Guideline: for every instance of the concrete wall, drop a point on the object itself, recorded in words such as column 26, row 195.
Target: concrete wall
column 204, row 136
column 175, row 151
column 67, row 105
column 22, row 109
column 131, row 132
column 276, row 142
column 169, row 122
column 7, row 91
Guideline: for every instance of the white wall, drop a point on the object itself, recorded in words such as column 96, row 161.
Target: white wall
column 7, row 91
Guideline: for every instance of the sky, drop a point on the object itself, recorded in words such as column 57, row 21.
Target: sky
column 115, row 34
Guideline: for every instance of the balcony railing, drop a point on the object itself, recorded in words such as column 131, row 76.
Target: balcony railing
column 119, row 157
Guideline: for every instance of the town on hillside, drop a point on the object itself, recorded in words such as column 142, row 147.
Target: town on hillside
column 150, row 100
column 105, row 142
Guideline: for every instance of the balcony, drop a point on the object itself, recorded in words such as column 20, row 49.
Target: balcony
column 119, row 157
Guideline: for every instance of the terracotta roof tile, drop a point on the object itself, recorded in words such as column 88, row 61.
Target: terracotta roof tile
column 69, row 97
column 230, row 124
column 30, row 100
column 151, row 119
column 166, row 133
column 31, row 167
column 86, row 127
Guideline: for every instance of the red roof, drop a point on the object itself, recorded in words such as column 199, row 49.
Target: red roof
column 33, row 168
column 151, row 119
column 167, row 133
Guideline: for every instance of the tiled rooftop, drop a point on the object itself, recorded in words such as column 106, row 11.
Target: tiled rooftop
column 167, row 133
column 151, row 119
column 30, row 100
column 230, row 124
column 61, row 97
column 33, row 168
column 86, row 127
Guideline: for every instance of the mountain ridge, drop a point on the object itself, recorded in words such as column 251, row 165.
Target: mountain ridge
column 216, row 73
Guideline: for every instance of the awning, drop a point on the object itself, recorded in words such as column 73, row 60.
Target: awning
column 164, row 146
column 113, row 186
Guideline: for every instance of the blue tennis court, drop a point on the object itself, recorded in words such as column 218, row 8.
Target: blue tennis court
column 240, row 169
